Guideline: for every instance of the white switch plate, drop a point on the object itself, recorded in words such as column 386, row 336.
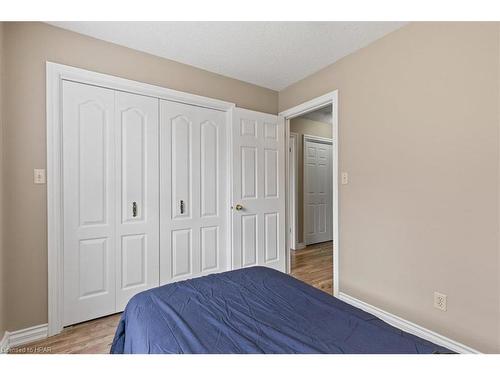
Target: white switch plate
column 345, row 178
column 39, row 176
column 440, row 301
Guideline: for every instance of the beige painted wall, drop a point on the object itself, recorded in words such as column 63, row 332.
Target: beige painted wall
column 27, row 46
column 419, row 130
column 2, row 265
column 301, row 126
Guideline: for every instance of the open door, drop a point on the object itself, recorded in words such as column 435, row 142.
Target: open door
column 258, row 190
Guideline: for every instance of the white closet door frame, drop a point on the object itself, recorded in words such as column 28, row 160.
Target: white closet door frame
column 330, row 98
column 55, row 75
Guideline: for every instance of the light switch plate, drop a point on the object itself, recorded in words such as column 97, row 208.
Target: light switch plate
column 345, row 178
column 39, row 176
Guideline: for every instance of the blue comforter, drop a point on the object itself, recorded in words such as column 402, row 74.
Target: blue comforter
column 254, row 310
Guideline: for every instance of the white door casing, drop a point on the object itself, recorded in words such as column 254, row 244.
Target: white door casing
column 293, row 190
column 193, row 203
column 317, row 156
column 258, row 228
column 137, row 196
column 89, row 203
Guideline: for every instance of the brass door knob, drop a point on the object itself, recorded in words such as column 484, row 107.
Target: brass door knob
column 238, row 207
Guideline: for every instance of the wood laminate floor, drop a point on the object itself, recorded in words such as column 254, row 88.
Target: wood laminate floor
column 313, row 265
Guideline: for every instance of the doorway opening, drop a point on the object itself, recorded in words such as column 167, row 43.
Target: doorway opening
column 312, row 200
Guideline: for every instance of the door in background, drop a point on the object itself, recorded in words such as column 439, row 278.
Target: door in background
column 318, row 226
column 258, row 212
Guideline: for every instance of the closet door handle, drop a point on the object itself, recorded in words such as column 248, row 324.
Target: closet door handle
column 182, row 206
column 134, row 209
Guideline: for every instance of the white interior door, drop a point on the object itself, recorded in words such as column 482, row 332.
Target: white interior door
column 193, row 206
column 89, row 202
column 137, row 196
column 258, row 215
column 317, row 191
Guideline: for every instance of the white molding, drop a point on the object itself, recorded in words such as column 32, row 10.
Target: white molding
column 408, row 326
column 315, row 138
column 55, row 74
column 330, row 98
column 23, row 336
column 293, row 191
column 310, row 105
column 300, row 246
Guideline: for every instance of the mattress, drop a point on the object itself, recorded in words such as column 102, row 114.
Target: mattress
column 254, row 310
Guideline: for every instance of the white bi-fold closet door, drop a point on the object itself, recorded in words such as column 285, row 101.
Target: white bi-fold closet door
column 110, row 190
column 147, row 195
column 193, row 199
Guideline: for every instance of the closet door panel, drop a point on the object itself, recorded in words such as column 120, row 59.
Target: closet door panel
column 136, row 124
column 192, row 191
column 88, row 200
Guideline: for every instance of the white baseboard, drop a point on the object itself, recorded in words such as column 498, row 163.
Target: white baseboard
column 300, row 246
column 23, row 336
column 409, row 327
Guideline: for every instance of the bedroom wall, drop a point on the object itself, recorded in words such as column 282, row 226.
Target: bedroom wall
column 301, row 126
column 27, row 47
column 419, row 136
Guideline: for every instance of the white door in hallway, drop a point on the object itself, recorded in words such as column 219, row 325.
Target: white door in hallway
column 193, row 198
column 318, row 193
column 258, row 212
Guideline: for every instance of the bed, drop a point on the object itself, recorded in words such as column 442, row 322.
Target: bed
column 254, row 310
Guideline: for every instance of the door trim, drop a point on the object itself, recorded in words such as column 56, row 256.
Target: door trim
column 294, row 191
column 55, row 75
column 330, row 98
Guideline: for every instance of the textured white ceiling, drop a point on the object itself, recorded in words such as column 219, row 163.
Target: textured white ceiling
column 268, row 54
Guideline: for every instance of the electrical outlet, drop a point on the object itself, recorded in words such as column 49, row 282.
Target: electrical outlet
column 440, row 301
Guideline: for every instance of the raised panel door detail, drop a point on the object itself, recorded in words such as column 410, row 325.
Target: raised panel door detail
column 271, row 227
column 137, row 200
column 249, row 172
column 318, row 192
column 248, row 127
column 193, row 168
column 133, row 164
column 271, row 173
column 92, row 267
column 181, row 167
column 89, row 190
column 209, row 248
column 93, row 161
column 181, row 252
column 134, row 259
column 249, row 239
column 258, row 158
column 209, row 170
column 271, row 130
